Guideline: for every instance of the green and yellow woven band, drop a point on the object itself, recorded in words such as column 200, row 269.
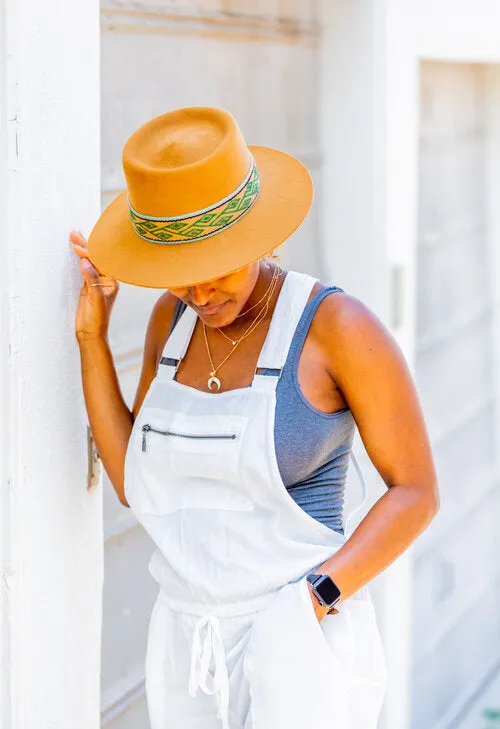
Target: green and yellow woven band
column 203, row 223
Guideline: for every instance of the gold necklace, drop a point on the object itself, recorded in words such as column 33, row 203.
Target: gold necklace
column 244, row 313
column 277, row 271
column 213, row 380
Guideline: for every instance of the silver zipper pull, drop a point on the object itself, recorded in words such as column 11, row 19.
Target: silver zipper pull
column 145, row 429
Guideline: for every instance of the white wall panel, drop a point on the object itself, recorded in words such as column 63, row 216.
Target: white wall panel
column 456, row 634
column 455, row 663
column 129, row 594
column 455, row 563
column 455, row 375
column 464, row 480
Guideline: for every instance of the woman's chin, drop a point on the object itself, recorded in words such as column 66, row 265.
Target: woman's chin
column 217, row 322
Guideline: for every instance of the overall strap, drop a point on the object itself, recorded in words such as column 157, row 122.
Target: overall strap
column 302, row 330
column 177, row 341
column 292, row 299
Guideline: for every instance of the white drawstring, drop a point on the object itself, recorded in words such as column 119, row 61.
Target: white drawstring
column 201, row 656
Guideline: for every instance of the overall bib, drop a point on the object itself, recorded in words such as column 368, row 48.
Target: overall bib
column 233, row 639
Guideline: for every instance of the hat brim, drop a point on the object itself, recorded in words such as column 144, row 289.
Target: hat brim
column 284, row 200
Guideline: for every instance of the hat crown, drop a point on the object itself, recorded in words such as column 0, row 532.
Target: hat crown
column 184, row 161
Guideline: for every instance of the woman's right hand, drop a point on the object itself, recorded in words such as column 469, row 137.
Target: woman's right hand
column 96, row 302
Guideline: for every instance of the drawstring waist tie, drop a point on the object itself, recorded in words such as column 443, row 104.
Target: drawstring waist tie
column 211, row 645
column 201, row 656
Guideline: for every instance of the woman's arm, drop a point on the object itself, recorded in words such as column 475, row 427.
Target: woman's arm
column 110, row 419
column 366, row 363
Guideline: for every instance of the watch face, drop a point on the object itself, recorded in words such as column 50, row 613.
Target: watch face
column 327, row 589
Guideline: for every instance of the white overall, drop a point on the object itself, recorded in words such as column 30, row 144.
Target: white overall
column 233, row 641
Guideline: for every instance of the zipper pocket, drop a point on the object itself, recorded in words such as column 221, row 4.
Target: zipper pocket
column 146, row 428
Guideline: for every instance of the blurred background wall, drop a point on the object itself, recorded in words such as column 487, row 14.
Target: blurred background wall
column 456, row 636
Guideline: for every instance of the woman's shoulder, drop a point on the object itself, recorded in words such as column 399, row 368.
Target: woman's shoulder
column 333, row 303
column 352, row 336
column 343, row 316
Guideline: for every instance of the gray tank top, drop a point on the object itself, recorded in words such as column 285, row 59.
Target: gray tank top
column 312, row 447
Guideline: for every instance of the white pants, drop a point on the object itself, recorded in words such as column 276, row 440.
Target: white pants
column 272, row 667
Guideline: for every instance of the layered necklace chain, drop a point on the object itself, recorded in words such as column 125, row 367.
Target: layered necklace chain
column 213, row 382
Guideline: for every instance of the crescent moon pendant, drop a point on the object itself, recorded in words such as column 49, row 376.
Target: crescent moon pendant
column 214, row 381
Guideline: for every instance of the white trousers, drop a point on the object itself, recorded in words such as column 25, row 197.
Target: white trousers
column 267, row 664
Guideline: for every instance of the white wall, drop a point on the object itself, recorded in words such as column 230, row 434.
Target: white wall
column 457, row 30
column 52, row 528
column 456, row 640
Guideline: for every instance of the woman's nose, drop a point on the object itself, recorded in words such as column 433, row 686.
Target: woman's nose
column 201, row 294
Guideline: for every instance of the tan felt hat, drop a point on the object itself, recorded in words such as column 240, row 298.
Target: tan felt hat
column 199, row 202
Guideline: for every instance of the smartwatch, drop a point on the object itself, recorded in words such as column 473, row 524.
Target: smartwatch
column 324, row 588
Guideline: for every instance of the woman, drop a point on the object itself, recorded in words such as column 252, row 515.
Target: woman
column 235, row 454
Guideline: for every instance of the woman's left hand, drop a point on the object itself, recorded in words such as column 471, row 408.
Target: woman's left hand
column 319, row 609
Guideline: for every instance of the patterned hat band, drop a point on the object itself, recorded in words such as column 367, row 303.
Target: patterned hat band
column 203, row 223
